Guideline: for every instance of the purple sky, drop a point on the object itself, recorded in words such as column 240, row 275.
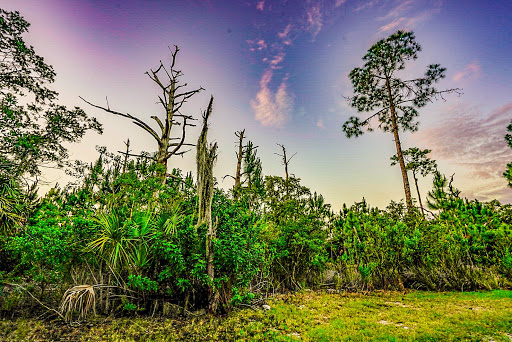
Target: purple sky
column 279, row 70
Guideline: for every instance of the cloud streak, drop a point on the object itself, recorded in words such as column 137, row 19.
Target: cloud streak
column 406, row 15
column 314, row 20
column 407, row 23
column 272, row 110
column 476, row 142
column 469, row 71
column 398, row 10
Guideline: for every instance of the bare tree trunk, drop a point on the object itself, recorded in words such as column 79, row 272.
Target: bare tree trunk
column 285, row 161
column 418, row 191
column 239, row 156
column 205, row 159
column 407, row 188
column 126, row 154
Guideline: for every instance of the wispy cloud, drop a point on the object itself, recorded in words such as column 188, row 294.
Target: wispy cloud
column 400, row 8
column 320, row 123
column 274, row 62
column 315, row 20
column 365, row 5
column 285, row 35
column 470, row 71
column 475, row 142
column 407, row 14
column 407, row 23
column 489, row 191
column 272, row 110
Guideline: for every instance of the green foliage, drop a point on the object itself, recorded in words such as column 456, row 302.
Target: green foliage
column 33, row 135
column 464, row 247
column 52, row 242
column 11, row 205
column 252, row 169
column 129, row 307
column 21, row 69
column 239, row 297
column 443, row 195
column 113, row 239
column 295, row 232
column 416, row 160
column 142, row 283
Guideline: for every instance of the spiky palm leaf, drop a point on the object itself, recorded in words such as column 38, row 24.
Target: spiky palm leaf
column 169, row 221
column 114, row 239
column 143, row 230
column 10, row 205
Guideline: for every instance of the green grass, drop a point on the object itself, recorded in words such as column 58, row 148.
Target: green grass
column 308, row 316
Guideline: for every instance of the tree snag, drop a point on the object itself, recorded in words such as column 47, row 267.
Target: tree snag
column 205, row 160
column 172, row 99
column 286, row 160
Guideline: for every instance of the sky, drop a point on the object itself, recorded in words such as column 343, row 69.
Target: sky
column 279, row 70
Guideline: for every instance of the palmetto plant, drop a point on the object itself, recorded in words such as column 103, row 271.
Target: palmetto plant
column 10, row 213
column 170, row 219
column 114, row 240
column 142, row 232
column 16, row 204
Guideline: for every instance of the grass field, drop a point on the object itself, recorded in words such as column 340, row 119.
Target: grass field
column 307, row 316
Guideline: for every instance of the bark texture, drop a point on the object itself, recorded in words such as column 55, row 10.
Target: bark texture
column 205, row 159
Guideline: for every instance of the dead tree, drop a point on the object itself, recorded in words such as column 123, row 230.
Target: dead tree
column 205, row 159
column 172, row 99
column 286, row 160
column 126, row 155
column 239, row 157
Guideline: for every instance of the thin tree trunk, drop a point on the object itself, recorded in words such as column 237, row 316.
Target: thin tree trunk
column 238, row 174
column 407, row 188
column 418, row 191
column 125, row 162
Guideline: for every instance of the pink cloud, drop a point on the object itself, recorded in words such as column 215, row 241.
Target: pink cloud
column 272, row 110
column 320, row 123
column 469, row 71
column 260, row 5
column 339, row 3
column 474, row 141
column 314, row 20
column 407, row 23
column 256, row 45
column 274, row 62
column 398, row 10
column 286, row 32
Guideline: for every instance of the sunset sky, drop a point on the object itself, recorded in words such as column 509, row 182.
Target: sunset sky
column 279, row 69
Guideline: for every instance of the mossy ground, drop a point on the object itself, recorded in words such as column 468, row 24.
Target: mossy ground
column 307, row 316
